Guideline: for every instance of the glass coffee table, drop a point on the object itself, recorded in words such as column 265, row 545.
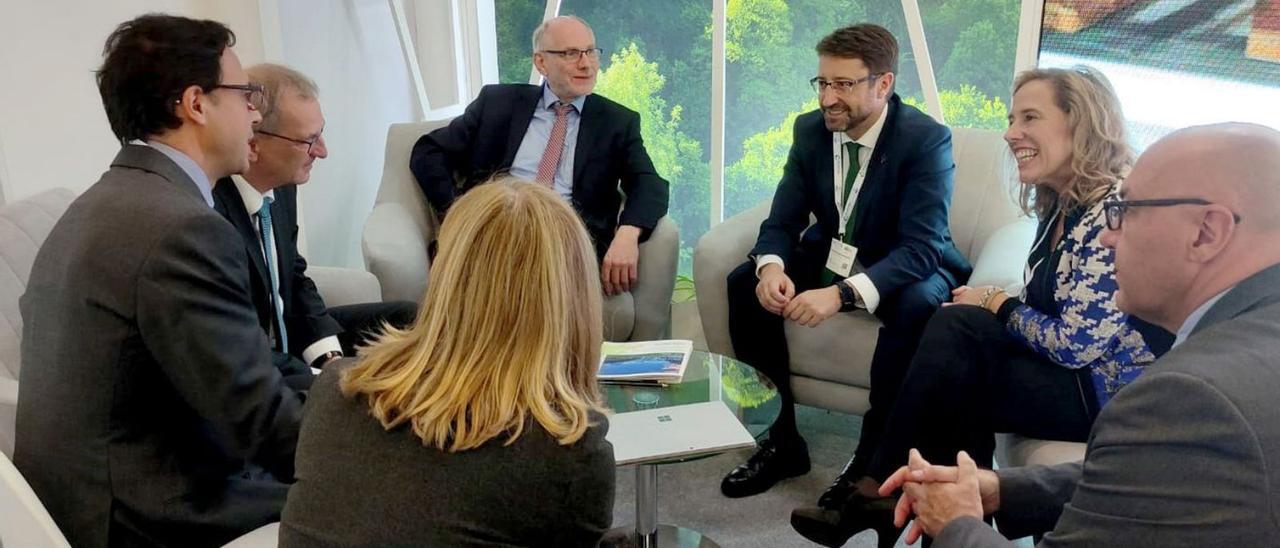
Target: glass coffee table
column 748, row 394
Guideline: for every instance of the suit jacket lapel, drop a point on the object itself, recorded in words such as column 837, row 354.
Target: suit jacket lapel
column 1260, row 289
column 521, row 114
column 232, row 208
column 875, row 170
column 589, row 128
column 282, row 230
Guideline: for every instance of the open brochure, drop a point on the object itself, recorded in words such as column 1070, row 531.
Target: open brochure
column 646, row 361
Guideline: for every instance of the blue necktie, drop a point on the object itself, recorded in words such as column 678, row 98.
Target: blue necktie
column 264, row 228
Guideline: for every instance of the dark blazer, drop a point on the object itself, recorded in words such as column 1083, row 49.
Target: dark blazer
column 305, row 316
column 360, row 485
column 1187, row 455
column 610, row 153
column 901, row 231
column 146, row 387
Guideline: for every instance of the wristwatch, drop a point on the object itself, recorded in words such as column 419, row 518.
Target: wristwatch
column 848, row 298
column 326, row 358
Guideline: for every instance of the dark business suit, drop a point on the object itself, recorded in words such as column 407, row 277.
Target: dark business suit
column 1187, row 455
column 306, row 317
column 361, row 485
column 902, row 237
column 609, row 160
column 149, row 408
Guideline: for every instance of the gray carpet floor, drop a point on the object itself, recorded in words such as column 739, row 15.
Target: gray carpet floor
column 689, row 492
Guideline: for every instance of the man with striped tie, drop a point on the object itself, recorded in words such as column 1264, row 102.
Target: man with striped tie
column 559, row 134
column 263, row 206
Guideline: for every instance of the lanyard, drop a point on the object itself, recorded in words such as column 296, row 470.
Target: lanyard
column 845, row 209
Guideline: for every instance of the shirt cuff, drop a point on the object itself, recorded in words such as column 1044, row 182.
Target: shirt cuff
column 765, row 260
column 865, row 292
column 320, row 348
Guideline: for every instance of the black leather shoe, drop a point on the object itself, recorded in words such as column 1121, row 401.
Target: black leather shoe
column 770, row 464
column 834, row 527
column 843, row 486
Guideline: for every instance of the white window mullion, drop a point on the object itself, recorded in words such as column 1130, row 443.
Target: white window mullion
column 410, row 53
column 924, row 65
column 718, row 26
column 552, row 10
column 269, row 21
column 1027, row 54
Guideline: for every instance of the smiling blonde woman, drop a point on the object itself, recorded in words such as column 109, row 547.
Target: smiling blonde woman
column 480, row 424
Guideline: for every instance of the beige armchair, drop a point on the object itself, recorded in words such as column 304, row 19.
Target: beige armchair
column 831, row 363
column 402, row 225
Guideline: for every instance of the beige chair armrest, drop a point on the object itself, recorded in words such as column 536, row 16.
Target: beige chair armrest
column 1004, row 256
column 656, row 280
column 8, row 392
column 341, row 286
column 395, row 250
column 721, row 250
column 267, row 536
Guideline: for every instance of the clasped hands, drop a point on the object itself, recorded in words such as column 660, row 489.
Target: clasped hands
column 777, row 294
column 938, row 495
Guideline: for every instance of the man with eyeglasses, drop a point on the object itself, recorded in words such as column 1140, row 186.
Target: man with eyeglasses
column 1189, row 453
column 877, row 176
column 149, row 412
column 584, row 146
column 263, row 206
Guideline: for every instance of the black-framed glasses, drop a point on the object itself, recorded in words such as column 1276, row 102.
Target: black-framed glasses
column 841, row 86
column 573, row 55
column 253, row 93
column 1115, row 209
column 309, row 142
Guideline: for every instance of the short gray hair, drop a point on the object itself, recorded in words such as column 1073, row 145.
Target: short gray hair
column 277, row 80
column 538, row 32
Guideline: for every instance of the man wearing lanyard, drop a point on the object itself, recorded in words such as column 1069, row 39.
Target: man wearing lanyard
column 877, row 175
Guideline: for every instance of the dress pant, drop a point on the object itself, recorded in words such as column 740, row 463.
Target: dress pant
column 971, row 379
column 759, row 339
column 361, row 323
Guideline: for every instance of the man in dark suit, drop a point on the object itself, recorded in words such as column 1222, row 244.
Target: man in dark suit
column 149, row 413
column 1188, row 454
column 304, row 333
column 883, row 247
column 561, row 135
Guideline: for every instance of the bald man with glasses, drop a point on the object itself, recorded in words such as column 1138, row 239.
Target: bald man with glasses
column 1189, row 453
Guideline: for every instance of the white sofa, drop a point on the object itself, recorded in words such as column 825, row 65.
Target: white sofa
column 403, row 224
column 831, row 363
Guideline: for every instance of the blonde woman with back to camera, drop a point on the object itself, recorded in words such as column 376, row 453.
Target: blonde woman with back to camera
column 480, row 424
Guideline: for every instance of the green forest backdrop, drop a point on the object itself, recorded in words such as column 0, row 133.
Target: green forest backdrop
column 657, row 61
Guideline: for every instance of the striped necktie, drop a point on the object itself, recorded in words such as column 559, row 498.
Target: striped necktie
column 264, row 229
column 550, row 163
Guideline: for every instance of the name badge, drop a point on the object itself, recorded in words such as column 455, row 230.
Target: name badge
column 840, row 260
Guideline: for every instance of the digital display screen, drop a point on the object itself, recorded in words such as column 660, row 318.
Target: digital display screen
column 1173, row 63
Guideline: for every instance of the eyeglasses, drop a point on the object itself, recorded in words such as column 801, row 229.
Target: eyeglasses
column 1115, row 209
column 253, row 93
column 841, row 86
column 573, row 55
column 310, row 142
